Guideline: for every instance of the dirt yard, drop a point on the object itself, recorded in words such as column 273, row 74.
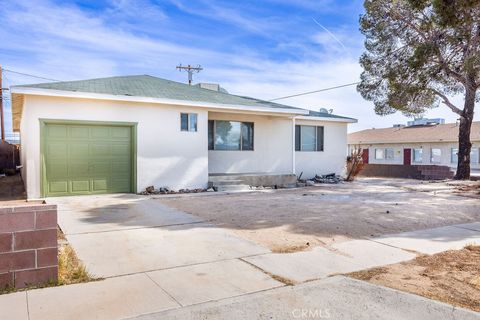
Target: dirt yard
column 452, row 277
column 297, row 219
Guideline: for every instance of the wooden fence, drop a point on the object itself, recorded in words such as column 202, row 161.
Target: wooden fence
column 9, row 156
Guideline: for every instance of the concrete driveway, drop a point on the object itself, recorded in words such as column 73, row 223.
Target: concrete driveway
column 124, row 234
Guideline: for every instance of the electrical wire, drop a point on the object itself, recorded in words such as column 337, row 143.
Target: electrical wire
column 315, row 91
column 29, row 75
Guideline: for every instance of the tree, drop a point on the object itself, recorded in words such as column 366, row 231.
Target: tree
column 420, row 53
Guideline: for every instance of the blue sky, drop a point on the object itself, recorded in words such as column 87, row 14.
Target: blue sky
column 263, row 49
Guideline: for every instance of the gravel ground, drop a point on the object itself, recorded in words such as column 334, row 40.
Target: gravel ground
column 297, row 219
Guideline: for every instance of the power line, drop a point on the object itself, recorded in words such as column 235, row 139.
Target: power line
column 30, row 75
column 315, row 91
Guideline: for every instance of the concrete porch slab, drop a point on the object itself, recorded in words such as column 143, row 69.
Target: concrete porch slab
column 13, row 306
column 83, row 214
column 432, row 241
column 212, row 281
column 114, row 298
column 336, row 298
column 114, row 253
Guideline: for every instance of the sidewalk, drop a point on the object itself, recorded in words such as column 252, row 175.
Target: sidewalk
column 172, row 288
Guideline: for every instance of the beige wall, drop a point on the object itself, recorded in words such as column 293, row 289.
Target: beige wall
column 273, row 141
column 445, row 148
column 166, row 156
column 333, row 157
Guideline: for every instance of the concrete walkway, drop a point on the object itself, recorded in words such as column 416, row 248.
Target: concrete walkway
column 336, row 298
column 155, row 258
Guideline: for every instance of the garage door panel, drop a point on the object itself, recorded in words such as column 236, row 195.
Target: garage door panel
column 78, row 132
column 100, row 150
column 78, row 169
column 120, row 133
column 87, row 159
column 57, row 150
column 100, row 132
column 57, row 131
column 100, row 184
column 57, row 169
column 121, row 186
column 78, row 150
column 58, row 187
column 80, row 186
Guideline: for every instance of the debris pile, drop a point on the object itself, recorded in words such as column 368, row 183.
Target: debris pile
column 166, row 190
column 327, row 178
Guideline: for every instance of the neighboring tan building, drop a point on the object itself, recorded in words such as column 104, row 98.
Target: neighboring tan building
column 418, row 145
column 123, row 134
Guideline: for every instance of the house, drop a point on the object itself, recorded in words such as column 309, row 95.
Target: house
column 431, row 145
column 122, row 134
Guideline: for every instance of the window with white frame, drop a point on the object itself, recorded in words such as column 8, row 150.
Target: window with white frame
column 379, row 154
column 188, row 122
column 474, row 155
column 230, row 135
column 389, row 154
column 309, row 138
column 454, row 155
column 435, row 155
column 417, row 155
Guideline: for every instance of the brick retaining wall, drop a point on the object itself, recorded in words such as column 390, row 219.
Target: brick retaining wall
column 424, row 172
column 28, row 245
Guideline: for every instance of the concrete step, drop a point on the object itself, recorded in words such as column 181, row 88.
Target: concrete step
column 233, row 187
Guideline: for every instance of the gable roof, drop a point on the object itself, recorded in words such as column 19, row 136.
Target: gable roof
column 427, row 133
column 153, row 87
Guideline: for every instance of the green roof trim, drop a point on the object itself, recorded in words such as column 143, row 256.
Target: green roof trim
column 326, row 115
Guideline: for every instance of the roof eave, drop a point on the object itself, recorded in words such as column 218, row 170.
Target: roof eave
column 100, row 96
column 331, row 119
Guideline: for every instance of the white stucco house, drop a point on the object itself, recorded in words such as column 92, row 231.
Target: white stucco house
column 122, row 134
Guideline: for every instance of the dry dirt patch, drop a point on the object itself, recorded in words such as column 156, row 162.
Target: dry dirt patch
column 297, row 219
column 452, row 277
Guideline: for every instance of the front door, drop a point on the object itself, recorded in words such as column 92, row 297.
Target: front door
column 407, row 157
column 365, row 155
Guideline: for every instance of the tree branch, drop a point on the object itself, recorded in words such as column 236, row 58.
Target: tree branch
column 447, row 102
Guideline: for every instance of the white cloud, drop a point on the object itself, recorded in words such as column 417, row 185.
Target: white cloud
column 64, row 42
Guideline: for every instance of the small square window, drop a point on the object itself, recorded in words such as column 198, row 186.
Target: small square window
column 389, row 154
column 379, row 154
column 435, row 155
column 188, row 122
column 418, row 155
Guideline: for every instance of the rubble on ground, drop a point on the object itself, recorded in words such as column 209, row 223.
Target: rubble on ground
column 327, row 178
column 166, row 190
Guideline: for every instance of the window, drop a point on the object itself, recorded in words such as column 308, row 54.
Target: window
column 379, row 154
column 308, row 138
column 389, row 154
column 230, row 135
column 474, row 155
column 435, row 155
column 188, row 122
column 418, row 155
column 454, row 155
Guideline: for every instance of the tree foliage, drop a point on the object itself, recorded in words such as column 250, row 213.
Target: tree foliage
column 420, row 53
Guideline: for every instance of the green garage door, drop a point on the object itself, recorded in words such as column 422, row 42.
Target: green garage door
column 87, row 159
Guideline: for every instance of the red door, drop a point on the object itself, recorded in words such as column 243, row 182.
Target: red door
column 407, row 157
column 365, row 155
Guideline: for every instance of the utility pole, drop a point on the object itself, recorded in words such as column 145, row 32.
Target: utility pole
column 191, row 70
column 2, row 118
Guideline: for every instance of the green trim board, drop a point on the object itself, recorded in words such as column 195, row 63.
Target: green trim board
column 87, row 157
